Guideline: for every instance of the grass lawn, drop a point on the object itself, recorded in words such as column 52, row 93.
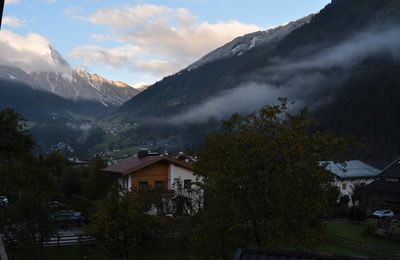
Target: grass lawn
column 95, row 253
column 355, row 232
column 349, row 231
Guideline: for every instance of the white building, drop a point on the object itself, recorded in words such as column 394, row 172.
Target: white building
column 349, row 174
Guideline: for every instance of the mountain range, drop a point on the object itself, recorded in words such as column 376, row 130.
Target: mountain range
column 342, row 63
column 72, row 84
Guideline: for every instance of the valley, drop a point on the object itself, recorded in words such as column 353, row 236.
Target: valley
column 338, row 78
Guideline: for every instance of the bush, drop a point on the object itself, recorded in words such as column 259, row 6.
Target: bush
column 394, row 230
column 344, row 201
column 82, row 204
column 338, row 213
column 372, row 226
column 357, row 214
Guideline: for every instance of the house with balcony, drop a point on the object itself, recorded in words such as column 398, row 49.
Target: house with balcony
column 152, row 170
column 349, row 174
column 172, row 175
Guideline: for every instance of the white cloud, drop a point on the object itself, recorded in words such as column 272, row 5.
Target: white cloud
column 30, row 52
column 13, row 21
column 174, row 38
column 100, row 37
column 114, row 57
column 49, row 1
column 12, row 2
column 158, row 67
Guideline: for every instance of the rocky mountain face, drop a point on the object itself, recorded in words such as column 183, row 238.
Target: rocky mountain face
column 72, row 84
column 342, row 63
column 249, row 41
column 79, row 85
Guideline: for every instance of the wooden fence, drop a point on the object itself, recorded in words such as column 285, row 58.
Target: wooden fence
column 60, row 240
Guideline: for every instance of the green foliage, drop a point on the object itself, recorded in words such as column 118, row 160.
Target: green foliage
column 333, row 193
column 263, row 184
column 98, row 183
column 27, row 184
column 82, row 204
column 357, row 214
column 372, row 226
column 74, row 182
column 95, row 136
column 122, row 225
column 344, row 201
column 360, row 194
column 15, row 142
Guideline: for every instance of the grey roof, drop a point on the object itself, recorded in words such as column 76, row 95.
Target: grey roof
column 393, row 170
column 351, row 169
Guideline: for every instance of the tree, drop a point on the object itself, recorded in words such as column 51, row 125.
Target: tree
column 26, row 183
column 15, row 147
column 263, row 183
column 31, row 216
column 344, row 201
column 360, row 194
column 15, row 141
column 122, row 225
column 98, row 182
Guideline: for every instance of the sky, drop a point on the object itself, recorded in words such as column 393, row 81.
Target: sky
column 138, row 41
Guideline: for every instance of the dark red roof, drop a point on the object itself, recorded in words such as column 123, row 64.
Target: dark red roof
column 134, row 163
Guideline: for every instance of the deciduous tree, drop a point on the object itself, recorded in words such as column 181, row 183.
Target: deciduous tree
column 263, row 183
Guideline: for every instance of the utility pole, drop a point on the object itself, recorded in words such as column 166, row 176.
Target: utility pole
column 1, row 10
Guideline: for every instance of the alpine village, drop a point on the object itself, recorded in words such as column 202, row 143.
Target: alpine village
column 278, row 142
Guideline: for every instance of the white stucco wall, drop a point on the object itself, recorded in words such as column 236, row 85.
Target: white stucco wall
column 177, row 172
column 350, row 186
column 125, row 182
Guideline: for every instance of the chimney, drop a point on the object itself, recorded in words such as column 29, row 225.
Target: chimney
column 142, row 153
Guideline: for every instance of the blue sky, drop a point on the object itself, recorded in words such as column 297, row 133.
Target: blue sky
column 142, row 41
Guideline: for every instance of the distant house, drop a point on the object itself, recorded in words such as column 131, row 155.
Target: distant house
column 386, row 187
column 349, row 174
column 149, row 170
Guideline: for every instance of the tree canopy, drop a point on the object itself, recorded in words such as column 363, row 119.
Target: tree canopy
column 263, row 182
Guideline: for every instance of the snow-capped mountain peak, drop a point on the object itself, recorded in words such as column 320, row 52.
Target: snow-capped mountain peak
column 82, row 71
column 58, row 59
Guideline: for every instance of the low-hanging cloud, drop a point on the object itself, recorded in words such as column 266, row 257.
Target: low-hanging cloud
column 309, row 81
column 244, row 99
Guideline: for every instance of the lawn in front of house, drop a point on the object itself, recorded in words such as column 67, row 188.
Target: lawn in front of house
column 88, row 252
column 356, row 232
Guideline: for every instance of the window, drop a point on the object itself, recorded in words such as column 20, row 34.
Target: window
column 187, row 184
column 344, row 186
column 143, row 185
column 159, row 185
column 125, row 183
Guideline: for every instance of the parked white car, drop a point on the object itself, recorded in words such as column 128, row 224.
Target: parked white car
column 387, row 213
